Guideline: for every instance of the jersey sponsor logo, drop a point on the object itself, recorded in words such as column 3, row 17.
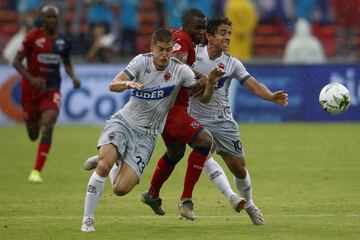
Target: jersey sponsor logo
column 60, row 43
column 40, row 42
column 154, row 94
column 199, row 59
column 48, row 58
column 176, row 47
column 167, row 76
column 221, row 82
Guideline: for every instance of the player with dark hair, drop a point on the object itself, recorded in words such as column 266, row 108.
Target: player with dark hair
column 216, row 115
column 43, row 48
column 128, row 139
column 182, row 129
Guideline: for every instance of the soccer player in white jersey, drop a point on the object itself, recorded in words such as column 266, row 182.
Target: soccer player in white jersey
column 216, row 115
column 128, row 138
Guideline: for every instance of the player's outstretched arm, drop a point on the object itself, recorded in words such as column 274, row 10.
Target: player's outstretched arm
column 70, row 71
column 260, row 90
column 122, row 81
column 214, row 77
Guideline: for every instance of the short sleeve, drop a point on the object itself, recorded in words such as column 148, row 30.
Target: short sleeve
column 240, row 73
column 188, row 76
column 135, row 65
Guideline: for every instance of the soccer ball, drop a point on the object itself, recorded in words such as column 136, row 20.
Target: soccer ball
column 334, row 98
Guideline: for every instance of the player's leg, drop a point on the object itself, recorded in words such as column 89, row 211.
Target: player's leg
column 236, row 165
column 218, row 177
column 164, row 168
column 108, row 154
column 47, row 123
column 126, row 179
column 33, row 128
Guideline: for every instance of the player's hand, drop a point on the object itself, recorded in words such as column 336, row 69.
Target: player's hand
column 199, row 88
column 76, row 82
column 37, row 82
column 134, row 85
column 280, row 97
column 216, row 74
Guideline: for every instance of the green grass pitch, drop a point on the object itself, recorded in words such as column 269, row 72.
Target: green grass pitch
column 306, row 180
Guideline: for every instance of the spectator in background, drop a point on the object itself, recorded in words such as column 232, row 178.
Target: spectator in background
column 173, row 10
column 346, row 18
column 303, row 47
column 100, row 19
column 127, row 16
column 242, row 12
column 305, row 9
column 205, row 6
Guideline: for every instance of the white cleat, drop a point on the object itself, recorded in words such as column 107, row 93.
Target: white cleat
column 91, row 163
column 88, row 225
column 237, row 202
column 255, row 215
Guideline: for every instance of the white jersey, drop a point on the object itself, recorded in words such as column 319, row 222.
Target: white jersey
column 218, row 109
column 147, row 108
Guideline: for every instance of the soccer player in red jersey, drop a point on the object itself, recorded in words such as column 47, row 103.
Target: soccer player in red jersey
column 43, row 49
column 181, row 129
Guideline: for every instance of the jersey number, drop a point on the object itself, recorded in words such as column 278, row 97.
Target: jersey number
column 237, row 145
column 140, row 163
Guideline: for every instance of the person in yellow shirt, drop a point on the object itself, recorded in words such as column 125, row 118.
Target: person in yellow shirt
column 241, row 12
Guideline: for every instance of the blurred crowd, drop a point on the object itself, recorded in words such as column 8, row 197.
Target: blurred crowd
column 297, row 31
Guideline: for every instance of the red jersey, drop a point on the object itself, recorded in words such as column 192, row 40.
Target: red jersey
column 183, row 44
column 43, row 54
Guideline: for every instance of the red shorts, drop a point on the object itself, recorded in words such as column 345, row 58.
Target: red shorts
column 34, row 103
column 180, row 126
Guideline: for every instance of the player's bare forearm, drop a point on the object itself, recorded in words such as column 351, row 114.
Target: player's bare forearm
column 70, row 71
column 20, row 67
column 122, row 82
column 260, row 90
column 181, row 56
column 214, row 77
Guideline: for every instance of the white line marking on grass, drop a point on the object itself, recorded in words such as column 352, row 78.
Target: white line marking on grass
column 172, row 217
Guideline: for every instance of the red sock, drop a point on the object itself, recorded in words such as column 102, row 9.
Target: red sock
column 43, row 151
column 161, row 174
column 195, row 165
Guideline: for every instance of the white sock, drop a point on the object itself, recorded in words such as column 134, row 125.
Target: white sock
column 113, row 172
column 245, row 189
column 94, row 190
column 217, row 175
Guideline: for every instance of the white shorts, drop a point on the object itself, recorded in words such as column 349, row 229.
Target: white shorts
column 226, row 137
column 134, row 147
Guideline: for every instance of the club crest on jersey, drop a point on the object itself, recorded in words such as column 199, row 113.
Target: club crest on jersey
column 40, row 42
column 176, row 47
column 111, row 136
column 195, row 124
column 221, row 65
column 60, row 43
column 167, row 76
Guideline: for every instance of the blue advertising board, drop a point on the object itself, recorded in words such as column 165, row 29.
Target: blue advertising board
column 303, row 84
column 93, row 103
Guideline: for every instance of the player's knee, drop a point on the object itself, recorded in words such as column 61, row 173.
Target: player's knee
column 203, row 139
column 121, row 190
column 103, row 168
column 33, row 136
column 174, row 157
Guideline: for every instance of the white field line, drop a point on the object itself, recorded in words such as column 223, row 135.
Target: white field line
column 176, row 217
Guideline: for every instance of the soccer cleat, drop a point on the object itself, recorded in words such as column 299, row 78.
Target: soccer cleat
column 186, row 208
column 237, row 202
column 87, row 225
column 91, row 163
column 154, row 203
column 255, row 215
column 35, row 177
